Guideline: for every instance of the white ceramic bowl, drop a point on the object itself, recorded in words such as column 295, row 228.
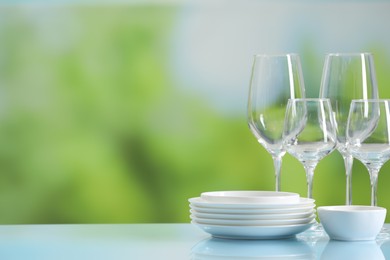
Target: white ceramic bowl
column 263, row 197
column 352, row 223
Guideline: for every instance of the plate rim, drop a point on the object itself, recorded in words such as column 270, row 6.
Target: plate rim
column 233, row 232
column 259, row 216
column 253, row 222
column 250, row 196
column 252, row 211
column 198, row 201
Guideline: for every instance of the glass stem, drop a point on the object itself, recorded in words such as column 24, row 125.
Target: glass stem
column 348, row 162
column 277, row 165
column 309, row 168
column 374, row 184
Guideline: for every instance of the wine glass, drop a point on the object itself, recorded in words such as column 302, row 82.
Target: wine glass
column 274, row 80
column 368, row 136
column 347, row 76
column 309, row 133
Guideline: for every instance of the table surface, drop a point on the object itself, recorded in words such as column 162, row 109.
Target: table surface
column 168, row 241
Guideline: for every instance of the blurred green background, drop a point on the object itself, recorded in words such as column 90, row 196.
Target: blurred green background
column 118, row 112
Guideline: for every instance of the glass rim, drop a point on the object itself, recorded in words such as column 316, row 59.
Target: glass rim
column 339, row 54
column 309, row 99
column 275, row 54
column 381, row 100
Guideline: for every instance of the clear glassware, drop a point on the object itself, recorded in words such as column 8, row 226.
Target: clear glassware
column 274, row 80
column 347, row 76
column 309, row 133
column 368, row 136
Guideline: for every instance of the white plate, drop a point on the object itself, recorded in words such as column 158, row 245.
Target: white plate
column 263, row 197
column 254, row 232
column 250, row 222
column 199, row 202
column 304, row 214
column 301, row 209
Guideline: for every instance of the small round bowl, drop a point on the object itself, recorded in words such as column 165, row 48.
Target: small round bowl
column 352, row 223
column 261, row 197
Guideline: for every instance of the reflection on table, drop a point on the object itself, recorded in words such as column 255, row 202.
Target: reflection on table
column 216, row 248
column 170, row 241
column 304, row 246
column 352, row 250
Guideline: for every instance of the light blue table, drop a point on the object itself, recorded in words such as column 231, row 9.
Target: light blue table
column 167, row 241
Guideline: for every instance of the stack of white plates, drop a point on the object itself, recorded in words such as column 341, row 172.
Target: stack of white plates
column 252, row 214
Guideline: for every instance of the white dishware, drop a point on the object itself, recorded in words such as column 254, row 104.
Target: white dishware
column 298, row 215
column 352, row 223
column 347, row 76
column 274, row 79
column 251, row 211
column 253, row 232
column 251, row 222
column 264, row 197
column 199, row 202
column 252, row 214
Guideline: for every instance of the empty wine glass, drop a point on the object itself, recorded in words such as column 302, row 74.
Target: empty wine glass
column 368, row 136
column 274, row 80
column 309, row 133
column 347, row 76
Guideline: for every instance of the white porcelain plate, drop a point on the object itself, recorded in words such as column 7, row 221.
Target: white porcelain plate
column 251, row 222
column 297, row 215
column 263, row 197
column 199, row 202
column 301, row 209
column 253, row 232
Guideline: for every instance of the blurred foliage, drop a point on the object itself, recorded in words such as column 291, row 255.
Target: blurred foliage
column 94, row 130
